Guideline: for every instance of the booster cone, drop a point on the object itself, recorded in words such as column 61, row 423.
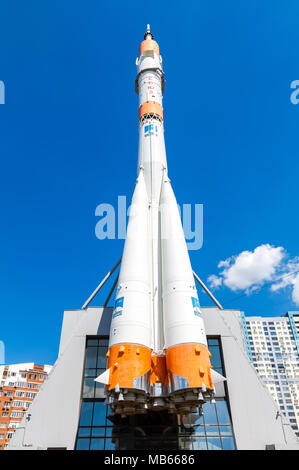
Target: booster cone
column 129, row 356
column 187, row 355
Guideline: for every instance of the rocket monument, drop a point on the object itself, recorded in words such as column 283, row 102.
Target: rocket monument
column 158, row 357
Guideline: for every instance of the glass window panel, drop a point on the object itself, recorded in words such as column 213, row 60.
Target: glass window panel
column 226, row 430
column 182, row 430
column 155, row 444
column 213, row 342
column 185, row 419
column 195, row 419
column 109, row 431
column 199, row 430
column 214, row 443
column 222, row 412
column 86, row 414
column 120, row 430
column 111, row 444
column 97, row 432
column 126, row 442
column 116, row 429
column 100, row 390
column 104, row 342
column 185, row 443
column 88, row 387
column 102, row 359
column 219, row 389
column 209, row 412
column 82, row 444
column 216, row 358
column 108, row 412
column 191, row 434
column 97, row 373
column 141, row 444
column 167, row 432
column 212, row 430
column 199, row 443
column 91, row 358
column 99, row 415
column 97, row 444
column 90, row 373
column 84, row 432
column 168, row 444
column 228, row 443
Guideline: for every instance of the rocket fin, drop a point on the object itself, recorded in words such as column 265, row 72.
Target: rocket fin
column 104, row 377
column 216, row 377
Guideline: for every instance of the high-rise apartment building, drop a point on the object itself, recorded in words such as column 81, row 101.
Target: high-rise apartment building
column 19, row 385
column 272, row 345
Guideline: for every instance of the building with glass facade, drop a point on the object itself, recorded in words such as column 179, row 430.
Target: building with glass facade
column 272, row 345
column 70, row 411
column 158, row 430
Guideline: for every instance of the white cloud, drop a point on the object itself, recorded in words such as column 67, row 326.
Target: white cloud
column 289, row 277
column 250, row 270
column 295, row 293
column 214, row 281
column 225, row 263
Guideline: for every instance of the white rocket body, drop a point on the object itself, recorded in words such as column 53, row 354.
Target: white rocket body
column 131, row 320
column 158, row 356
column 183, row 322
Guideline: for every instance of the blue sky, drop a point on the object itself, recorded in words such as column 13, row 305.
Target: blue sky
column 69, row 139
